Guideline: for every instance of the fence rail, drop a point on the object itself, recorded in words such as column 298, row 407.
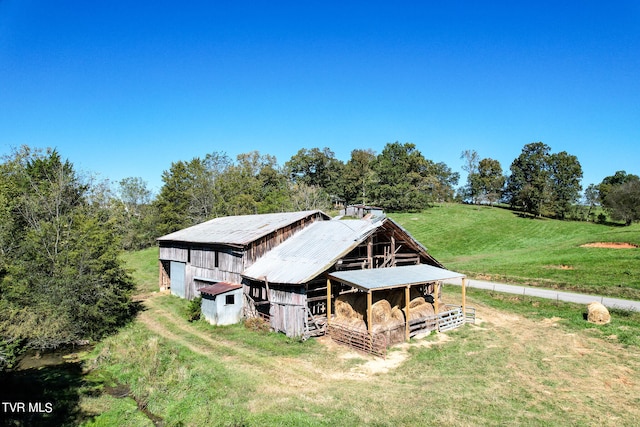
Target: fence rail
column 375, row 344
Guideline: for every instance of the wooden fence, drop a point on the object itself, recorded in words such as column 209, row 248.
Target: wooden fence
column 377, row 343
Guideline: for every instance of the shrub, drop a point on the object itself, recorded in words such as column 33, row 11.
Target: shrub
column 194, row 310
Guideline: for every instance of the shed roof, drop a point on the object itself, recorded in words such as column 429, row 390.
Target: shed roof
column 394, row 277
column 219, row 288
column 311, row 251
column 238, row 230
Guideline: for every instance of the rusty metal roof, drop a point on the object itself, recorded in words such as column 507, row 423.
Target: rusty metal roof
column 310, row 251
column 238, row 230
column 219, row 288
column 394, row 277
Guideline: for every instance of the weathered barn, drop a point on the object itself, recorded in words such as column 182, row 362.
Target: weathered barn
column 286, row 262
column 219, row 250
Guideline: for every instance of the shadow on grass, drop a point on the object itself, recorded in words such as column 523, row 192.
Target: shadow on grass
column 44, row 396
column 48, row 393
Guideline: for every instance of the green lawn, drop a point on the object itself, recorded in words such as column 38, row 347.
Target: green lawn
column 498, row 244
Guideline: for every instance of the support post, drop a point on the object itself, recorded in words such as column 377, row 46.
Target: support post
column 407, row 298
column 370, row 252
column 436, row 303
column 464, row 298
column 369, row 325
column 328, row 300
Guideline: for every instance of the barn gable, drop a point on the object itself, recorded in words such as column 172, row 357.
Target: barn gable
column 222, row 248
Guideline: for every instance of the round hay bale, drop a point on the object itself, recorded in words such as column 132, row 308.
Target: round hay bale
column 395, row 298
column 357, row 324
column 422, row 310
column 380, row 312
column 416, row 302
column 598, row 314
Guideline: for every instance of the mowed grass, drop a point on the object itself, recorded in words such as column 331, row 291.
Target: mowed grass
column 498, row 244
column 533, row 364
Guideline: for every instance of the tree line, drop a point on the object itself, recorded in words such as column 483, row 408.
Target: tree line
column 61, row 232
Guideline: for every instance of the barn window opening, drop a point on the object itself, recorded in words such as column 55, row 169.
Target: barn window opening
column 229, row 299
column 216, row 261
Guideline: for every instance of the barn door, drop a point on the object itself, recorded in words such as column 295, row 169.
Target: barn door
column 178, row 274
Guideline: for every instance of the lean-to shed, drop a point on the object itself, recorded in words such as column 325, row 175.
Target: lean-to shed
column 291, row 283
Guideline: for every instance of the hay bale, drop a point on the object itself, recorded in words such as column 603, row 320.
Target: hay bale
column 396, row 298
column 380, row 312
column 344, row 307
column 420, row 311
column 598, row 314
column 416, row 302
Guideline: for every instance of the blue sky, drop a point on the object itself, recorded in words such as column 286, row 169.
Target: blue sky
column 124, row 88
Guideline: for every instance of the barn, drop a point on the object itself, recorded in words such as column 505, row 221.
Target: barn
column 294, row 266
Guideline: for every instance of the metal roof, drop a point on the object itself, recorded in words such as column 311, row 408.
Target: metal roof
column 219, row 288
column 310, row 251
column 394, row 277
column 237, row 230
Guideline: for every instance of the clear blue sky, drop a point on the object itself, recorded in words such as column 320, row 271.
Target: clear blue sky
column 123, row 88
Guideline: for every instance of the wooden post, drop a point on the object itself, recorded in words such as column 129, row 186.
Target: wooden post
column 160, row 281
column 328, row 300
column 407, row 298
column 369, row 325
column 370, row 252
column 464, row 298
column 436, row 303
column 393, row 250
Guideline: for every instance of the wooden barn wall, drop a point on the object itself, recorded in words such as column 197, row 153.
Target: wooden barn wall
column 289, row 319
column 228, row 260
column 205, row 273
column 174, row 253
column 288, row 310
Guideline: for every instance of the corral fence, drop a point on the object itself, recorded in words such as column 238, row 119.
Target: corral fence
column 375, row 344
column 378, row 342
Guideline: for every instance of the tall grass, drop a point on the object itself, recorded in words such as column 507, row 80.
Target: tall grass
column 499, row 244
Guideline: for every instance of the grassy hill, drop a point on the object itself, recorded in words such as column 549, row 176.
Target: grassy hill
column 526, row 362
column 498, row 244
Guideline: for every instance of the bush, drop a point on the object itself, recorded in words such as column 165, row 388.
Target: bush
column 194, row 310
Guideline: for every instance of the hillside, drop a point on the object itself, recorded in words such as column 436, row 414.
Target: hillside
column 498, row 244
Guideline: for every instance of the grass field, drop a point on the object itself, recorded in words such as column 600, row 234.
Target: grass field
column 498, row 244
column 525, row 362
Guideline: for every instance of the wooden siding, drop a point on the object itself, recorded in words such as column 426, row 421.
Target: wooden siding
column 205, row 273
column 174, row 253
column 227, row 259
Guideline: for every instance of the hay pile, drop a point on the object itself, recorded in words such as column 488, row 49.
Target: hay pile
column 598, row 314
column 388, row 312
column 346, row 314
column 419, row 308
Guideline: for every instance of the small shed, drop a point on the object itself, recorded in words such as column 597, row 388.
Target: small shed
column 222, row 303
